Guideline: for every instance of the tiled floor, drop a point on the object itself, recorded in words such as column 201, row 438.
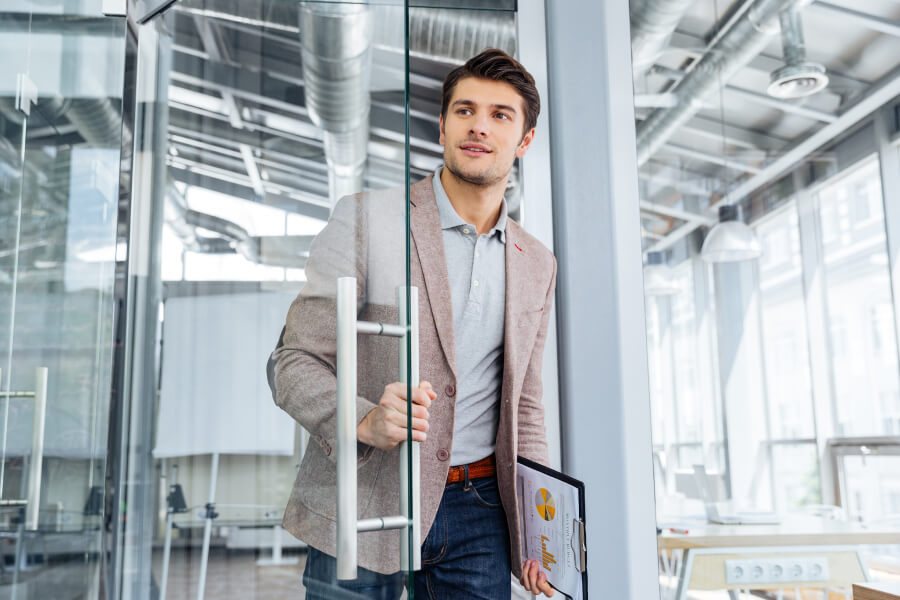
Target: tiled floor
column 231, row 575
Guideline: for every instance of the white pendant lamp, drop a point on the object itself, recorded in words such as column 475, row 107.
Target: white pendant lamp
column 658, row 277
column 730, row 240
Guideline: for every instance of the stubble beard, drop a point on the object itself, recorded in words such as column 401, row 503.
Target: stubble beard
column 486, row 178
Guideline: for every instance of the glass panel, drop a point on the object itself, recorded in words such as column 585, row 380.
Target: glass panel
column 860, row 310
column 785, row 343
column 60, row 116
column 270, row 116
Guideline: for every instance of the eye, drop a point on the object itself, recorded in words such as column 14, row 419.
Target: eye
column 464, row 111
column 503, row 116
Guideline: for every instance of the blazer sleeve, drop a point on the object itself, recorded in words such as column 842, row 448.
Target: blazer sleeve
column 305, row 364
column 532, row 435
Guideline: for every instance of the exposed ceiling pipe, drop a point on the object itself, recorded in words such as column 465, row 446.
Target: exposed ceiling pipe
column 797, row 78
column 273, row 250
column 732, row 50
column 450, row 35
column 337, row 64
column 652, row 24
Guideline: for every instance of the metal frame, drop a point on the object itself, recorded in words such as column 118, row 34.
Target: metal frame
column 537, row 200
column 857, row 446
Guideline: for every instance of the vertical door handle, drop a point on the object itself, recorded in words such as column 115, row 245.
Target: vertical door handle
column 348, row 526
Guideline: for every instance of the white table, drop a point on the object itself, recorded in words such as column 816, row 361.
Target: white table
column 697, row 559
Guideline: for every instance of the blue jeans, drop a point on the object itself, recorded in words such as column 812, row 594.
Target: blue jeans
column 465, row 555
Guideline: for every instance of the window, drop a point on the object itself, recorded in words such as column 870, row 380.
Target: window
column 785, row 342
column 859, row 304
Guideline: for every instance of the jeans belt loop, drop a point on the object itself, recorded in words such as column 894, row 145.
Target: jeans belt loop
column 466, row 483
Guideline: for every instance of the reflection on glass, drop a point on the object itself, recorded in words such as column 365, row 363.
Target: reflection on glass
column 60, row 118
column 860, row 309
column 274, row 111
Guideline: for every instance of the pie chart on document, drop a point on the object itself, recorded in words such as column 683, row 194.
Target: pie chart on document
column 545, row 504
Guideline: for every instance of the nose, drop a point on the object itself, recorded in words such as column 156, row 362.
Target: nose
column 480, row 126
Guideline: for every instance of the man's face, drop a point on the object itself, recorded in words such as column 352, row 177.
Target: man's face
column 482, row 133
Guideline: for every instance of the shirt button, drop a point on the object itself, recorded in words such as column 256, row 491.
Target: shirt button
column 475, row 283
column 477, row 254
column 442, row 454
column 450, row 390
column 465, row 231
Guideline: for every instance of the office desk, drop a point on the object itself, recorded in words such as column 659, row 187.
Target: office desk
column 697, row 559
column 877, row 591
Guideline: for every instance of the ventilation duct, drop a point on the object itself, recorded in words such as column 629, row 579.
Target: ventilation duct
column 337, row 64
column 274, row 250
column 797, row 78
column 449, row 34
column 732, row 50
column 652, row 24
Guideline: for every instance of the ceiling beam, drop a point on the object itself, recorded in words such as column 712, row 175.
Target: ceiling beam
column 782, row 105
column 873, row 22
column 881, row 92
column 695, row 45
column 753, row 96
column 715, row 159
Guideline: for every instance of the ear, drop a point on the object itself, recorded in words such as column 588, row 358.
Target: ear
column 441, row 127
column 525, row 144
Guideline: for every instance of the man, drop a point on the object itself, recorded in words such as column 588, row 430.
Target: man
column 485, row 292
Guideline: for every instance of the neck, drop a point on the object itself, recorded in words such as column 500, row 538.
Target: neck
column 476, row 204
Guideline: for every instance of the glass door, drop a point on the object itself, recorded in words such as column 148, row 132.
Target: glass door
column 268, row 303
column 61, row 83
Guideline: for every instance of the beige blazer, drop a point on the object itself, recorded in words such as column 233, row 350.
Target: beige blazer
column 365, row 238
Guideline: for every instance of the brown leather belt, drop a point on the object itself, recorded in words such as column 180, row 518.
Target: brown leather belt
column 486, row 467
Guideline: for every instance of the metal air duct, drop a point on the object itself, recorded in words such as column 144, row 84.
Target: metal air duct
column 273, row 250
column 731, row 51
column 337, row 63
column 797, row 78
column 652, row 24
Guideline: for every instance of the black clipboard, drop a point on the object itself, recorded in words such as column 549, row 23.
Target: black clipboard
column 579, row 529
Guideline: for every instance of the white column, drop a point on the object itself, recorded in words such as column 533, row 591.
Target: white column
column 605, row 407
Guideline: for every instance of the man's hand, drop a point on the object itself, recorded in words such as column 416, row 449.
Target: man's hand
column 385, row 425
column 534, row 579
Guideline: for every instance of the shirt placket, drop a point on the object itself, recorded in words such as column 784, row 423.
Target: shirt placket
column 476, row 283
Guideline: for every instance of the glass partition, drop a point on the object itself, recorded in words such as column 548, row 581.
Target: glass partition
column 62, row 78
column 758, row 183
column 266, row 121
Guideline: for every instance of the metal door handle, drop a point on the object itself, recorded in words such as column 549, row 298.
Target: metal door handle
column 347, row 524
column 36, row 462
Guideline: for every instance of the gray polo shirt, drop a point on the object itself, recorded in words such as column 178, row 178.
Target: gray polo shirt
column 476, row 266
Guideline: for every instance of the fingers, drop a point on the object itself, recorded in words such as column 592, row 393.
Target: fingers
column 422, row 395
column 544, row 585
column 398, row 405
column 534, row 579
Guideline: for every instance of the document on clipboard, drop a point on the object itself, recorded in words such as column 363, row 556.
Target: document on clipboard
column 551, row 508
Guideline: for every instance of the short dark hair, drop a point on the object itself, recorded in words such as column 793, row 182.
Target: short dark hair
column 496, row 65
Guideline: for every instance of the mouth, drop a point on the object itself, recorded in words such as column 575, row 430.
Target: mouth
column 473, row 149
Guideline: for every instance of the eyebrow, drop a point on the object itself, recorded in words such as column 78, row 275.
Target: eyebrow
column 464, row 102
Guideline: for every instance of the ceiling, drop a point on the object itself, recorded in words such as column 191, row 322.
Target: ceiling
column 740, row 138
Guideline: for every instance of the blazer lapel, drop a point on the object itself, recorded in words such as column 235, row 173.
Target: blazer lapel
column 520, row 295
column 425, row 227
